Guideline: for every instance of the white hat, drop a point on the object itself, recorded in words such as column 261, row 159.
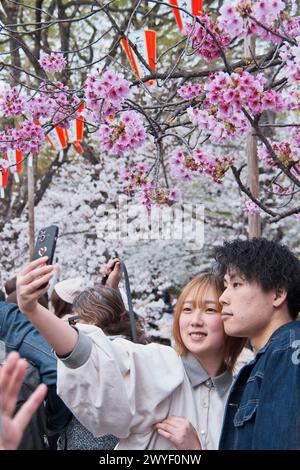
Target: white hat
column 67, row 290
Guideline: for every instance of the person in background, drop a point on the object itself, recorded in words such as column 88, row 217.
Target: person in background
column 18, row 334
column 10, row 285
column 10, row 289
column 75, row 436
column 63, row 295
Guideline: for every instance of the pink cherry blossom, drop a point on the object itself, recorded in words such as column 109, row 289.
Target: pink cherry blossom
column 105, row 95
column 184, row 166
column 189, row 91
column 28, row 137
column 202, row 41
column 124, row 133
column 11, row 103
column 286, row 152
column 251, row 208
column 53, row 62
column 297, row 217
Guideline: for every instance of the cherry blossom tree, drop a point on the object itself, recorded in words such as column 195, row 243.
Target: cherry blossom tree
column 183, row 121
column 175, row 134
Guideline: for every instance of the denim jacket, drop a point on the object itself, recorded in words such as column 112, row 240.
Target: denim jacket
column 263, row 407
column 20, row 335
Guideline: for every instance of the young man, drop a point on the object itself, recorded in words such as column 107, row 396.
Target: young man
column 261, row 301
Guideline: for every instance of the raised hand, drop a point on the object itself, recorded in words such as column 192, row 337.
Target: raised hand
column 32, row 283
column 12, row 374
column 113, row 271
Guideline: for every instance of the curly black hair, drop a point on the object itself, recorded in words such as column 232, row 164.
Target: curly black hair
column 270, row 264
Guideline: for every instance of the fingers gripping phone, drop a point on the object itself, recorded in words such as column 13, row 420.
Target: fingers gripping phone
column 46, row 243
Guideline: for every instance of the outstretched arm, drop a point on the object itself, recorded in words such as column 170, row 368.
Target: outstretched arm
column 180, row 432
column 12, row 374
column 30, row 287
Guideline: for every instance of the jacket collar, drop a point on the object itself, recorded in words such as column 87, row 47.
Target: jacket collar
column 198, row 375
column 274, row 337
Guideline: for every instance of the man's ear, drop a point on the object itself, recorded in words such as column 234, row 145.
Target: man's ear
column 280, row 297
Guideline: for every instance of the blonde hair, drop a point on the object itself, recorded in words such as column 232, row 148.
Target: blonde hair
column 198, row 287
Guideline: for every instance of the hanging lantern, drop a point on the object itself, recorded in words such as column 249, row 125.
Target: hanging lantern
column 145, row 42
column 4, row 177
column 74, row 134
column 56, row 138
column 194, row 7
column 4, row 172
column 15, row 160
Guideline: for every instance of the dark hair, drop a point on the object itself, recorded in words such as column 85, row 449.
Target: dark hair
column 103, row 306
column 270, row 264
column 198, row 287
column 12, row 299
column 2, row 296
column 11, row 292
column 61, row 307
column 10, row 285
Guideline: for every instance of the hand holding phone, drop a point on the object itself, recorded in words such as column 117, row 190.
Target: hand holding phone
column 46, row 244
column 32, row 284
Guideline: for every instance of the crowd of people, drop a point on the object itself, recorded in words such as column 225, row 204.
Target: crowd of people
column 230, row 378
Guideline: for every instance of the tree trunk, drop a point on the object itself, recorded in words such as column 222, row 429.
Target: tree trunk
column 254, row 220
column 30, row 174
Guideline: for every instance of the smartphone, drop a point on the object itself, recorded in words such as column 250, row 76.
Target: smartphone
column 46, row 243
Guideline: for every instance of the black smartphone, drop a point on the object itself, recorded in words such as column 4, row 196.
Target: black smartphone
column 46, row 243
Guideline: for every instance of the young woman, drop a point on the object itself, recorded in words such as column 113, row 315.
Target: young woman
column 121, row 388
column 221, row 354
